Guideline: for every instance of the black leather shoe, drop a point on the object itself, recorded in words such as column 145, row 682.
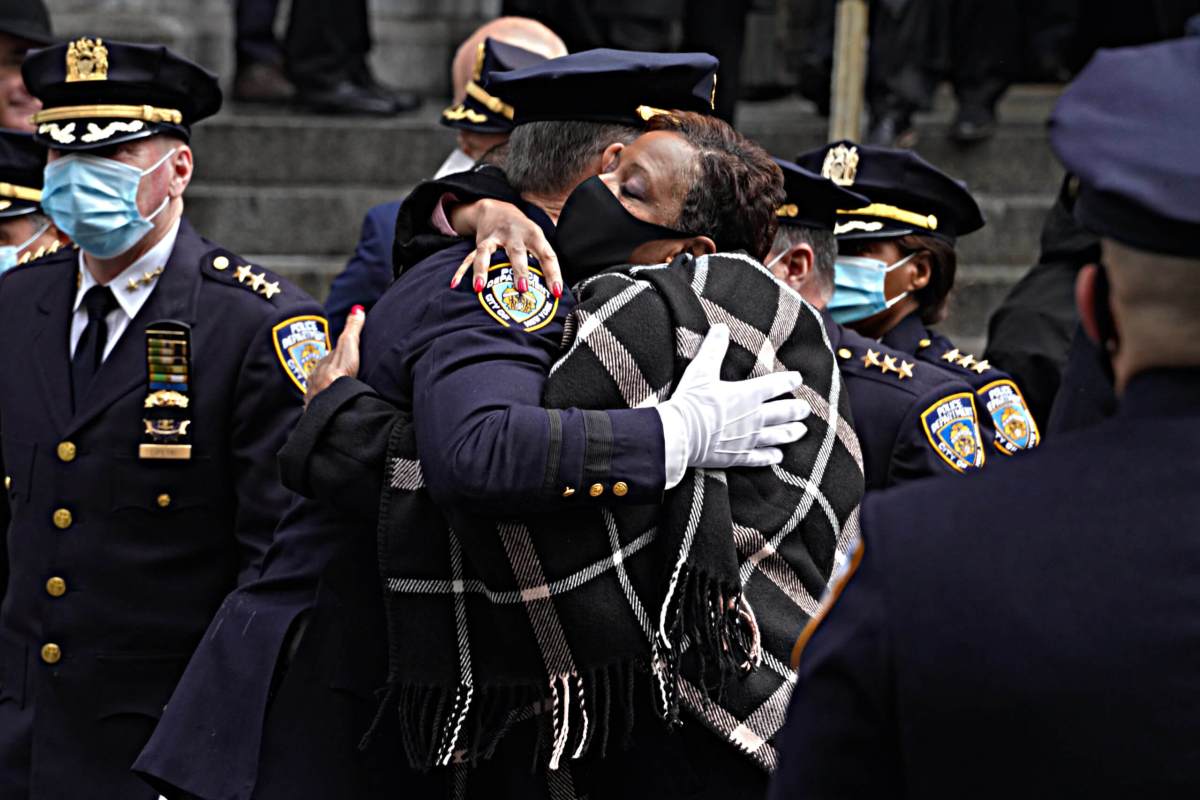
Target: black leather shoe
column 893, row 129
column 262, row 83
column 346, row 97
column 400, row 99
column 973, row 124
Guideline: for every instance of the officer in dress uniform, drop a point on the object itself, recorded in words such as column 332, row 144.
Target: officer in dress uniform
column 968, row 656
column 304, row 648
column 896, row 268
column 898, row 403
column 26, row 232
column 147, row 380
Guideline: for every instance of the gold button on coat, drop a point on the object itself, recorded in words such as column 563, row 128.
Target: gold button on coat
column 51, row 653
column 7, row 482
column 844, row 352
column 66, row 451
column 221, row 263
column 63, row 519
column 164, row 500
column 596, row 490
column 56, row 587
column 567, row 492
column 620, row 488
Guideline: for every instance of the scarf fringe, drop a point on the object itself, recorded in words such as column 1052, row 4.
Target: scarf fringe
column 575, row 715
column 718, row 626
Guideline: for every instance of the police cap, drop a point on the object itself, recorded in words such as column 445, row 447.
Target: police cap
column 481, row 111
column 812, row 201
column 21, row 163
column 26, row 19
column 1127, row 128
column 97, row 93
column 906, row 194
column 623, row 86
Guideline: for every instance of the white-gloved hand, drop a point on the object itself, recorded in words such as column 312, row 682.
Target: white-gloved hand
column 717, row 424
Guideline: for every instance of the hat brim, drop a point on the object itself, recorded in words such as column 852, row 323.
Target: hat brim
column 92, row 133
column 23, row 30
column 11, row 208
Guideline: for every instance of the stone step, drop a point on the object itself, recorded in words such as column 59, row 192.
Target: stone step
column 244, row 145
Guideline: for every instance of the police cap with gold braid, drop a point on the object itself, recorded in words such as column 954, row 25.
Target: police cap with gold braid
column 812, row 201
column 623, row 86
column 97, row 93
column 906, row 193
column 480, row 110
column 21, row 163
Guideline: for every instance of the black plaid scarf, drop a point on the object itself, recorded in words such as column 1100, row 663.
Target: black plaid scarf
column 558, row 617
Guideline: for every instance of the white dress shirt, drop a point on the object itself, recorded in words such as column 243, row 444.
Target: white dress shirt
column 132, row 289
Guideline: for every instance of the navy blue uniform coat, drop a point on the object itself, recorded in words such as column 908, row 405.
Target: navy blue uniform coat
column 1055, row 656
column 152, row 546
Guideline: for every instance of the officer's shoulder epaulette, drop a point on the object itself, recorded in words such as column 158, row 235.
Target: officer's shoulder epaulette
column 228, row 268
column 882, row 364
column 43, row 254
column 953, row 359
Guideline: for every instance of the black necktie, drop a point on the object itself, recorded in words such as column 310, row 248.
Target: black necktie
column 89, row 351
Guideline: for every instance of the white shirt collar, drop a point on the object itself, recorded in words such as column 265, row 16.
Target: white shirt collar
column 132, row 287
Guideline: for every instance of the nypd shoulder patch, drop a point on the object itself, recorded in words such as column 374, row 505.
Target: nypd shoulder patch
column 1015, row 428
column 300, row 342
column 529, row 310
column 952, row 428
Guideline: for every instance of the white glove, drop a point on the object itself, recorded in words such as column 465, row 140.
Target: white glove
column 716, row 424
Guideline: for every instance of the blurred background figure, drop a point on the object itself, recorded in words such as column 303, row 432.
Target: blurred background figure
column 24, row 25
column 322, row 63
column 714, row 26
column 26, row 232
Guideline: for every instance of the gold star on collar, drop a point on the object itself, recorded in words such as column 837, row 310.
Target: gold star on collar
column 951, row 355
column 270, row 289
column 243, row 273
column 889, row 365
column 967, row 361
column 871, row 359
column 257, row 281
column 982, row 366
column 132, row 285
column 906, row 370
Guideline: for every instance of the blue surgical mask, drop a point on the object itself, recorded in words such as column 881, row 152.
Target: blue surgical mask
column 858, row 290
column 10, row 253
column 94, row 201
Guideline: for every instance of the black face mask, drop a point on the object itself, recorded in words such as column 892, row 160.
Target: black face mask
column 596, row 232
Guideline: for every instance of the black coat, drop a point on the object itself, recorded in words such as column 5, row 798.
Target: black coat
column 1034, row 632
column 150, row 547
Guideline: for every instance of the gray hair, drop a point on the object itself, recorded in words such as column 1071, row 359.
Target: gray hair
column 552, row 156
column 825, row 250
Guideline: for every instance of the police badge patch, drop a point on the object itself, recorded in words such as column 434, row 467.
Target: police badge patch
column 1015, row 428
column 300, row 342
column 953, row 429
column 529, row 310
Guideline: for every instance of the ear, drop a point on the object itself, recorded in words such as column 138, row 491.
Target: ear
column 919, row 271
column 1086, row 291
column 796, row 265
column 698, row 246
column 181, row 170
column 611, row 157
column 59, row 235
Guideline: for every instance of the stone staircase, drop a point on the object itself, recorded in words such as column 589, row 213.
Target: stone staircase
column 290, row 190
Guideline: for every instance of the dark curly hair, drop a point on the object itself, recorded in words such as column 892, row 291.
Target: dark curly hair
column 736, row 187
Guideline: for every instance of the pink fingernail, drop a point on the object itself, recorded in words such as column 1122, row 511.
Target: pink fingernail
column 522, row 285
column 556, row 288
column 357, row 310
column 454, row 282
column 478, row 285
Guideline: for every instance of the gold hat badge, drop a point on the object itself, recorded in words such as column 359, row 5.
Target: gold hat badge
column 841, row 165
column 87, row 60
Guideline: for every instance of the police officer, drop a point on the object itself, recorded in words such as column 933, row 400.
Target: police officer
column 897, row 401
column 25, row 230
column 896, row 267
column 970, row 656
column 147, row 380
